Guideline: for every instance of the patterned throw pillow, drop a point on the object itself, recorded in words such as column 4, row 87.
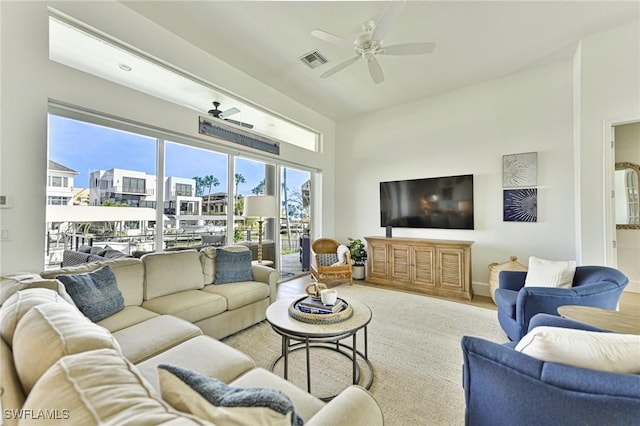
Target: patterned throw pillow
column 95, row 293
column 233, row 265
column 327, row 259
column 213, row 400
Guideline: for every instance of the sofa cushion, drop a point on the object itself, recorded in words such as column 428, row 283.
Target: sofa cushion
column 612, row 352
column 95, row 293
column 12, row 396
column 63, row 330
column 127, row 317
column 550, row 273
column 190, row 305
column 203, row 354
column 19, row 304
column 233, row 264
column 208, row 261
column 171, row 272
column 327, row 259
column 306, row 405
column 99, row 387
column 14, row 283
column 149, row 338
column 240, row 294
column 129, row 274
column 209, row 398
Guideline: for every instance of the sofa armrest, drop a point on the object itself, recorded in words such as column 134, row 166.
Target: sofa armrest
column 502, row 385
column 535, row 300
column 354, row 406
column 547, row 320
column 267, row 275
column 511, row 280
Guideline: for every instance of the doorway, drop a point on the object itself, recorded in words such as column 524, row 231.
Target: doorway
column 624, row 209
column 295, row 219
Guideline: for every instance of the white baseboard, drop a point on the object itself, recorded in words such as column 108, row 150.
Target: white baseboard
column 632, row 287
column 481, row 289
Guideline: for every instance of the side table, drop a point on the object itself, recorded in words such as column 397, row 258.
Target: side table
column 298, row 335
column 618, row 322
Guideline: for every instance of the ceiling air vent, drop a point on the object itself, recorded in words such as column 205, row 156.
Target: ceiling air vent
column 313, row 59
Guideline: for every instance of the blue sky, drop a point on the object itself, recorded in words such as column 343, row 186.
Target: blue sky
column 86, row 147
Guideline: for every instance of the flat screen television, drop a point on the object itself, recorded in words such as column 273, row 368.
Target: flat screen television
column 441, row 202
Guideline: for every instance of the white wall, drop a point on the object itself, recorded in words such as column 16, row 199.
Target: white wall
column 29, row 79
column 468, row 131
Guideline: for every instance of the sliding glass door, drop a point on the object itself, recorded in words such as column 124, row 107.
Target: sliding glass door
column 295, row 220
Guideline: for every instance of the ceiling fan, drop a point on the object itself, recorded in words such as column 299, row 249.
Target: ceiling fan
column 222, row 115
column 369, row 44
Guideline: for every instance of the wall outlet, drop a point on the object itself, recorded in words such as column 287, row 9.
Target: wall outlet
column 4, row 235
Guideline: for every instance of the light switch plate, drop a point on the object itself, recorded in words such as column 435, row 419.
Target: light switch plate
column 6, row 201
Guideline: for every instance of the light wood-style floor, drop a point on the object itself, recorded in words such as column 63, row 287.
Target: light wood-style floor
column 629, row 302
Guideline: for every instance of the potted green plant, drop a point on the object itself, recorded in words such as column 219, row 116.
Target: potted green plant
column 358, row 258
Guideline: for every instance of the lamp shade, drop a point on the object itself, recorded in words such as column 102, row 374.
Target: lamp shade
column 260, row 206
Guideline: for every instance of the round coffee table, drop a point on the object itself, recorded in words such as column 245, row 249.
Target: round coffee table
column 297, row 335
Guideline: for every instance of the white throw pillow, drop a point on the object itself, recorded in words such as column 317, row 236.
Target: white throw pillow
column 612, row 352
column 550, row 273
column 342, row 255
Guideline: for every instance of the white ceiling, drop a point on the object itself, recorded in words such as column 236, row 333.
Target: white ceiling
column 476, row 41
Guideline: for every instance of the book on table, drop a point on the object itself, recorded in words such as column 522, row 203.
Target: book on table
column 314, row 306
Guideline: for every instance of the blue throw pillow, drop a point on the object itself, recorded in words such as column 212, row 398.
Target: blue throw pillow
column 95, row 293
column 233, row 266
column 213, row 400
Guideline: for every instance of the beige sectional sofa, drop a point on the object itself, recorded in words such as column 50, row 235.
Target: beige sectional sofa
column 55, row 362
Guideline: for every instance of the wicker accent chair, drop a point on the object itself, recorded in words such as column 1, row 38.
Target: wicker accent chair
column 321, row 260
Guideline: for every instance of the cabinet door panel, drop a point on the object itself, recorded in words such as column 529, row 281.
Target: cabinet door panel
column 377, row 260
column 424, row 266
column 451, row 263
column 400, row 263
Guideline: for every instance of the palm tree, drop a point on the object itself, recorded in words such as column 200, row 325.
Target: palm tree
column 259, row 189
column 199, row 185
column 239, row 179
column 212, row 181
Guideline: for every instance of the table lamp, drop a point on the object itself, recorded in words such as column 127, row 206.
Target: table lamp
column 260, row 206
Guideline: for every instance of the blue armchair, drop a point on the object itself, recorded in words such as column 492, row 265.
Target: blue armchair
column 597, row 286
column 506, row 387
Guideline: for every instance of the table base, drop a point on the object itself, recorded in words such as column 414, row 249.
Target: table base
column 306, row 343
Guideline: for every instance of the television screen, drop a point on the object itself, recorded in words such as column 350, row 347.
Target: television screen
column 443, row 202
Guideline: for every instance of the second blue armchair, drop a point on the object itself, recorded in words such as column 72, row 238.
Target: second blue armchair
column 598, row 286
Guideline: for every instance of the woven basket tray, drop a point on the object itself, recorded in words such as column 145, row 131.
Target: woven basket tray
column 343, row 315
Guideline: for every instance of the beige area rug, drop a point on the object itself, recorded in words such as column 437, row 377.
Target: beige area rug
column 414, row 346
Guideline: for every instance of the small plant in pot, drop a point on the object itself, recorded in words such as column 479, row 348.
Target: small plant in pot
column 358, row 258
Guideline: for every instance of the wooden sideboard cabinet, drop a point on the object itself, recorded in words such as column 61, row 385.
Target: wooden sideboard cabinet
column 434, row 267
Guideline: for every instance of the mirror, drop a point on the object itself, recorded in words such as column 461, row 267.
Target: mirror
column 627, row 186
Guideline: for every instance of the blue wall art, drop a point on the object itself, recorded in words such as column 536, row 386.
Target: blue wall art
column 520, row 205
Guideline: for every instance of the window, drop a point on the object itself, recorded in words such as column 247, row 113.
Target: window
column 200, row 191
column 134, row 185
column 183, row 189
column 58, row 181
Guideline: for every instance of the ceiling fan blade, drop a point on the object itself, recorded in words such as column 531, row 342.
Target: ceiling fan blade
column 331, row 38
column 384, row 23
column 377, row 75
column 339, row 67
column 228, row 112
column 408, row 49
